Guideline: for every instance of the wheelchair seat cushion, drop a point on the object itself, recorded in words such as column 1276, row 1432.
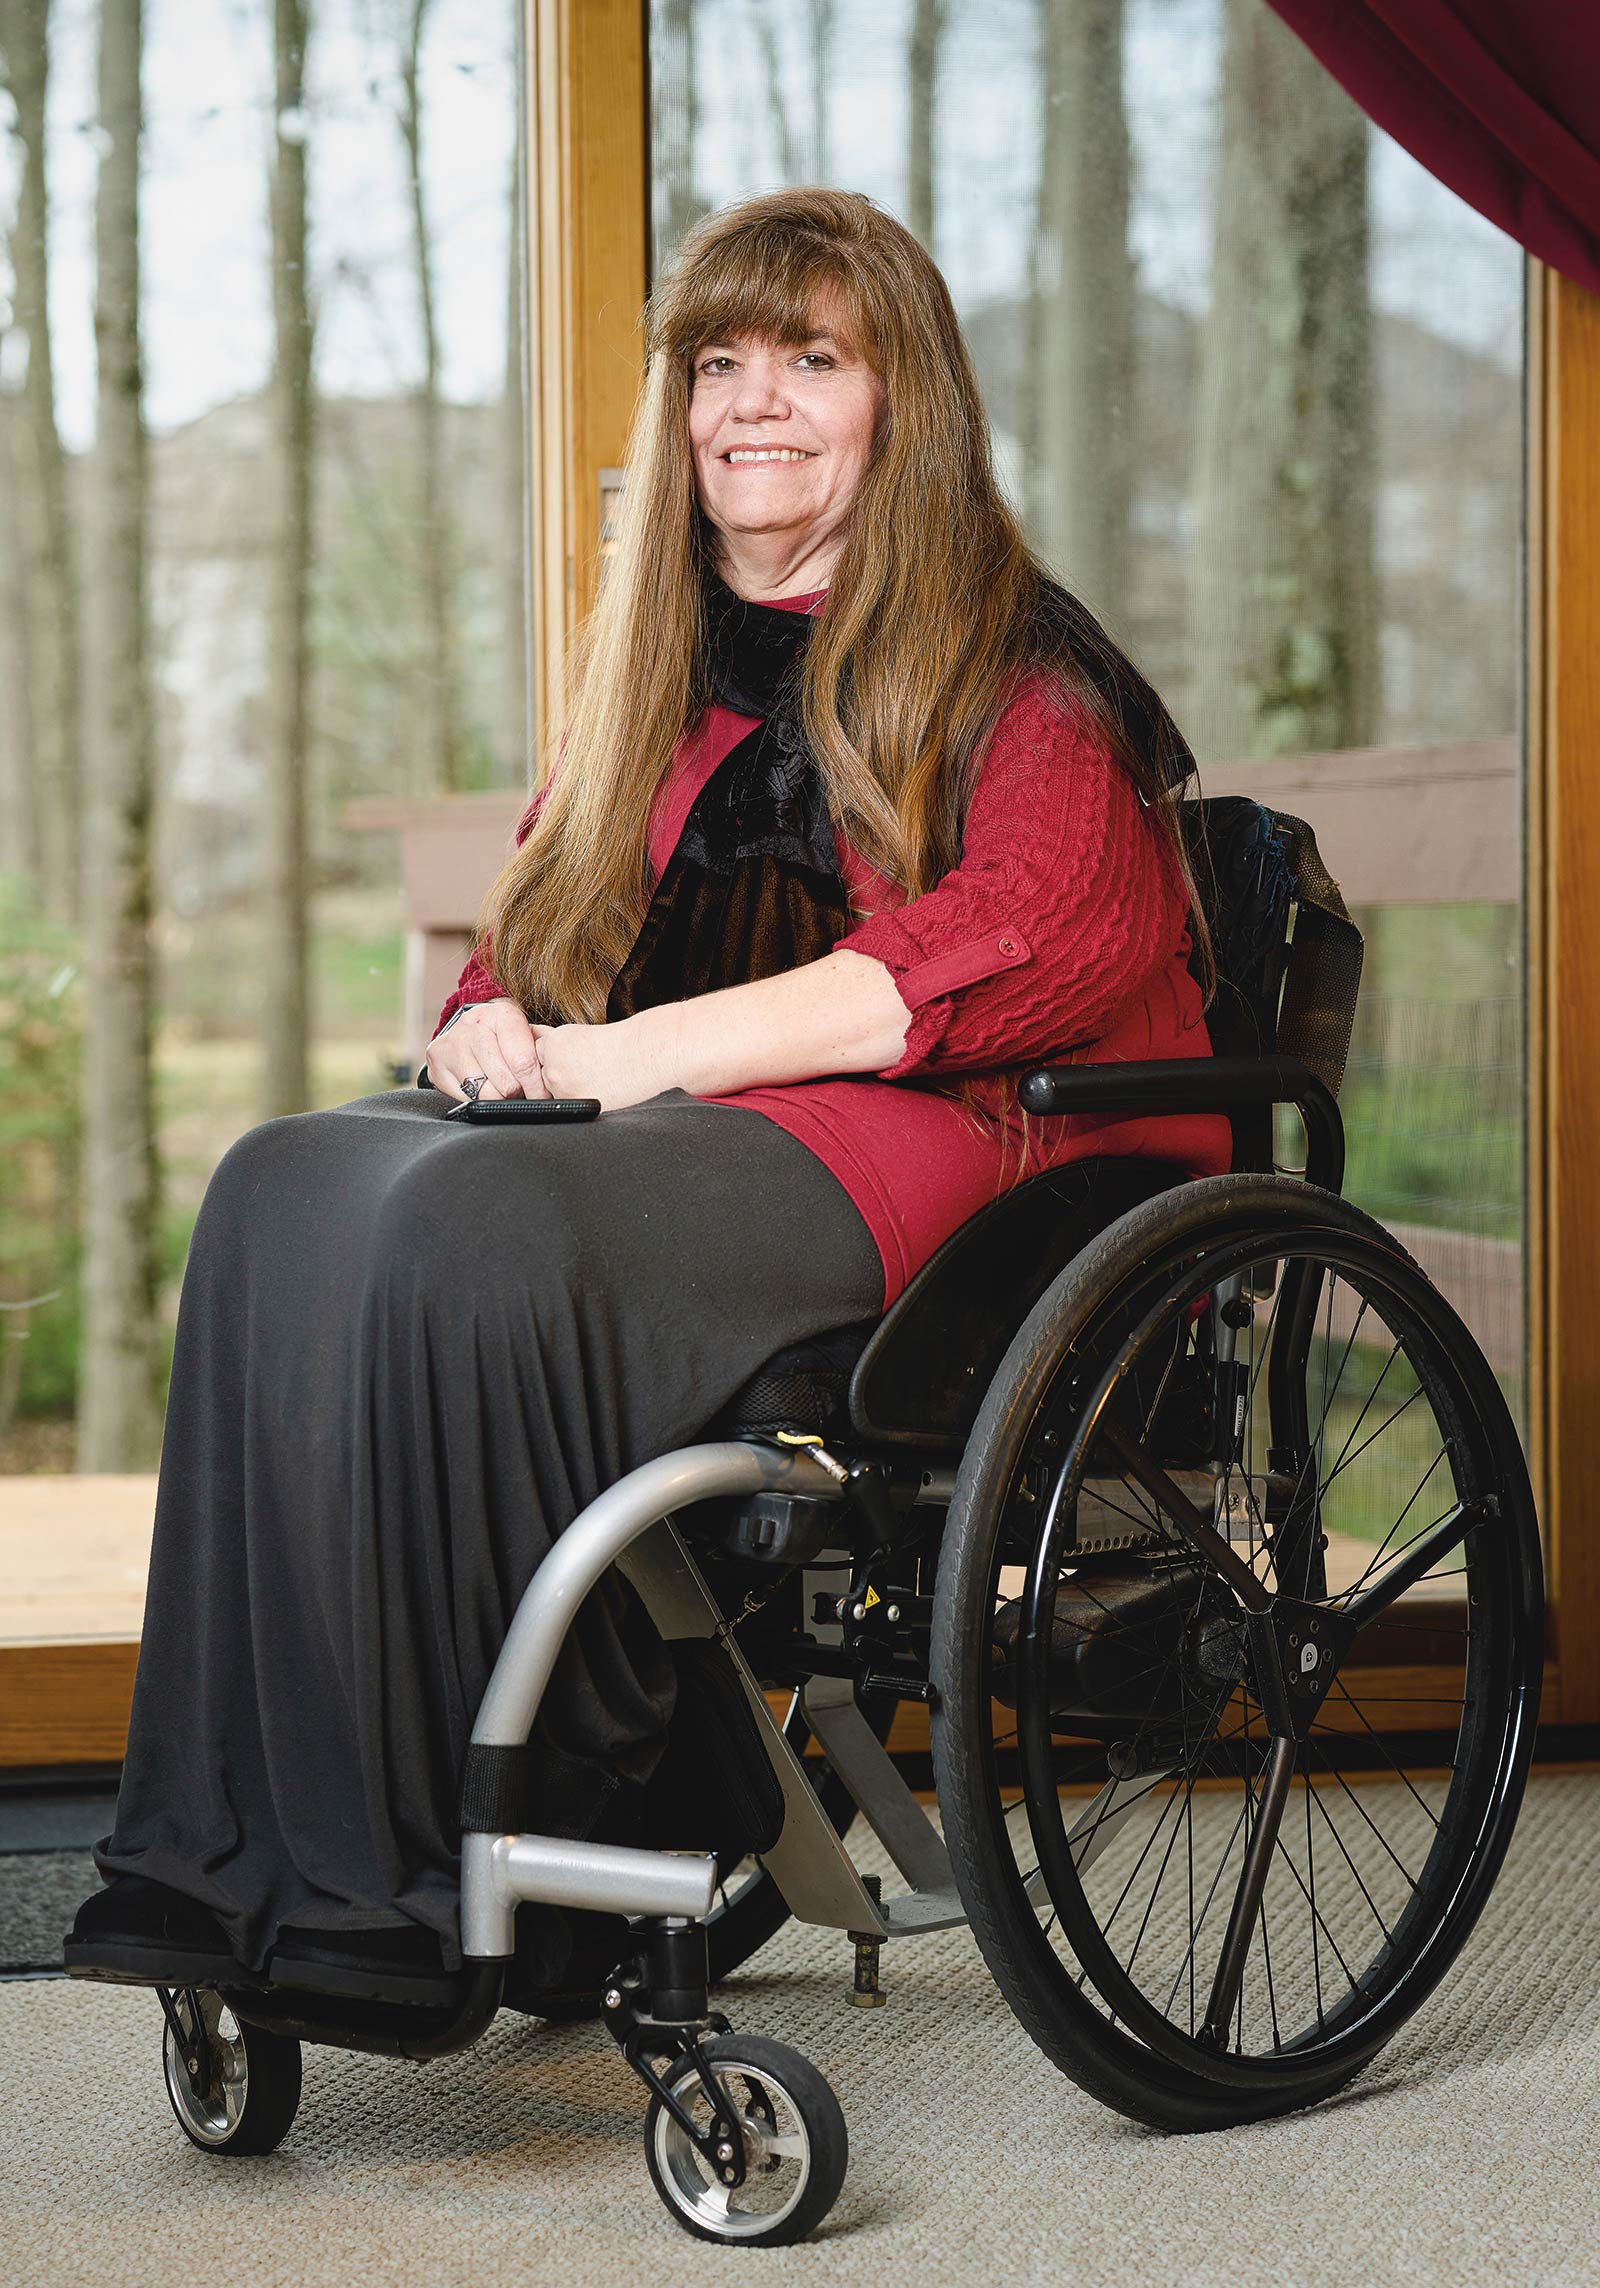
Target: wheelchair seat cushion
column 918, row 1375
column 925, row 1371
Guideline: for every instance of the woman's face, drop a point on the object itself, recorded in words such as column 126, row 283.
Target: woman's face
column 782, row 434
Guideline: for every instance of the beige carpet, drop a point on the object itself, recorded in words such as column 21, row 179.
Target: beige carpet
column 1469, row 2154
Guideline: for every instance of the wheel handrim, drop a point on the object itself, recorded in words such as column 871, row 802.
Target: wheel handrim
column 1372, row 2001
column 777, row 2154
column 210, row 2114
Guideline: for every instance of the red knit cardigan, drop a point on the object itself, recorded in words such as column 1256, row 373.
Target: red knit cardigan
column 1062, row 935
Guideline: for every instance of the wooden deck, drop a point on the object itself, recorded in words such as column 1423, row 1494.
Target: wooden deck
column 74, row 1554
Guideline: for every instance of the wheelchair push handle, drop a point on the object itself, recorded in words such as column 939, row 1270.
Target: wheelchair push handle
column 1199, row 1084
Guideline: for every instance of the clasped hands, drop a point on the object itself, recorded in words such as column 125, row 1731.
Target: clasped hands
column 515, row 1058
column 840, row 1014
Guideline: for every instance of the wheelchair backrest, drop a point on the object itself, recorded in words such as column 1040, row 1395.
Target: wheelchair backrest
column 1287, row 954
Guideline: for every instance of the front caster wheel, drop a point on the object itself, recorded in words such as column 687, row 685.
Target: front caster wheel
column 795, row 2145
column 234, row 2088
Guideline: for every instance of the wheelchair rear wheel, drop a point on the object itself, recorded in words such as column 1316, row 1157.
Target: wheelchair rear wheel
column 1244, row 1538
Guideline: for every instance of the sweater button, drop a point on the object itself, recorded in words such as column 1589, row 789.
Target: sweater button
column 1008, row 945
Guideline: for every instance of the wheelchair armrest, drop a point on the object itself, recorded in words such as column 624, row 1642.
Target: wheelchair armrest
column 1199, row 1084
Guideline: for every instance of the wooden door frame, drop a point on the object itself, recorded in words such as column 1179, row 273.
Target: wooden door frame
column 587, row 107
column 1563, row 937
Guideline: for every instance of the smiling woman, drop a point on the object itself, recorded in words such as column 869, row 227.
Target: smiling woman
column 856, row 813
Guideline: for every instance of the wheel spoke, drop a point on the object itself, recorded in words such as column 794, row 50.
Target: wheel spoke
column 1371, row 1822
column 1382, row 1745
column 1416, row 1561
column 1197, row 1926
column 1252, row 1882
column 1382, row 1550
column 1191, row 1522
column 1366, row 1404
column 1346, row 1459
column 1354, row 1869
column 1111, row 1809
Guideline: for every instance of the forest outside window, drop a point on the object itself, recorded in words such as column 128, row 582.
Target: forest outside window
column 262, row 551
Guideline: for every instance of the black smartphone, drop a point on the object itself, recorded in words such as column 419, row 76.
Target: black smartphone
column 506, row 1111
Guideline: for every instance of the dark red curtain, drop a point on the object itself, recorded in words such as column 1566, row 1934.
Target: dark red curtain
column 1498, row 98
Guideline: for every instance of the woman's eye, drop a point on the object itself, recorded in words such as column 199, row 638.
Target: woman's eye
column 814, row 357
column 711, row 364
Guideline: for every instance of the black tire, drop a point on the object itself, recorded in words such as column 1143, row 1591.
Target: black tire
column 250, row 2091
column 795, row 2158
column 1073, row 1375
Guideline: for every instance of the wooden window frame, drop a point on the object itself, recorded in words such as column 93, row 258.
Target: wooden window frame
column 1563, row 937
column 588, row 272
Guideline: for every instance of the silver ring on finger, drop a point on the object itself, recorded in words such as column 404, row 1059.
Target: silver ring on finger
column 472, row 1086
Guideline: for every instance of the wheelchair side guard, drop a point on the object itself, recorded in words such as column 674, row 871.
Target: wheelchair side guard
column 809, row 1864
column 889, row 1808
column 498, row 1872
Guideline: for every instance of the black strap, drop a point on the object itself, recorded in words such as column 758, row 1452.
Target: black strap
column 535, row 1789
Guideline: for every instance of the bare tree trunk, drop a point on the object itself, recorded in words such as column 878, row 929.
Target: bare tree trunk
column 119, row 1424
column 515, row 728
column 1079, row 408
column 675, row 99
column 441, row 740
column 285, row 918
column 1282, row 594
column 50, row 594
column 19, row 762
column 922, row 90
column 822, row 12
column 783, row 142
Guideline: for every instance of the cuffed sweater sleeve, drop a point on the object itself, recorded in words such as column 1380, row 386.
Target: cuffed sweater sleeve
column 1064, row 908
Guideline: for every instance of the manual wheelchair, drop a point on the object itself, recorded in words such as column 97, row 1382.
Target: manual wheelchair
column 1196, row 1519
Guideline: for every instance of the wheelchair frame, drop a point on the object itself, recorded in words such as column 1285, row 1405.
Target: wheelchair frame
column 809, row 1863
column 655, row 2003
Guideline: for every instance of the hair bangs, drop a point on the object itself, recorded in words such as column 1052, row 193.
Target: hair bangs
column 766, row 285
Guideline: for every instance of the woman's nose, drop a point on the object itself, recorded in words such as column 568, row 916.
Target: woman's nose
column 759, row 396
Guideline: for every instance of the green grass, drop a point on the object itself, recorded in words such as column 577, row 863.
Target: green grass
column 208, row 1092
column 1437, row 1147
column 211, row 972
column 1434, row 1099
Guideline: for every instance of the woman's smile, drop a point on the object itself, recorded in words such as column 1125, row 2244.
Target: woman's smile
column 757, row 456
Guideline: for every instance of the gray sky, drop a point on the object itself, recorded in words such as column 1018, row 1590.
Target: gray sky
column 208, row 86
column 208, row 105
column 1433, row 257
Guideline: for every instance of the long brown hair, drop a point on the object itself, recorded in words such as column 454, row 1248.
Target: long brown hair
column 936, row 606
